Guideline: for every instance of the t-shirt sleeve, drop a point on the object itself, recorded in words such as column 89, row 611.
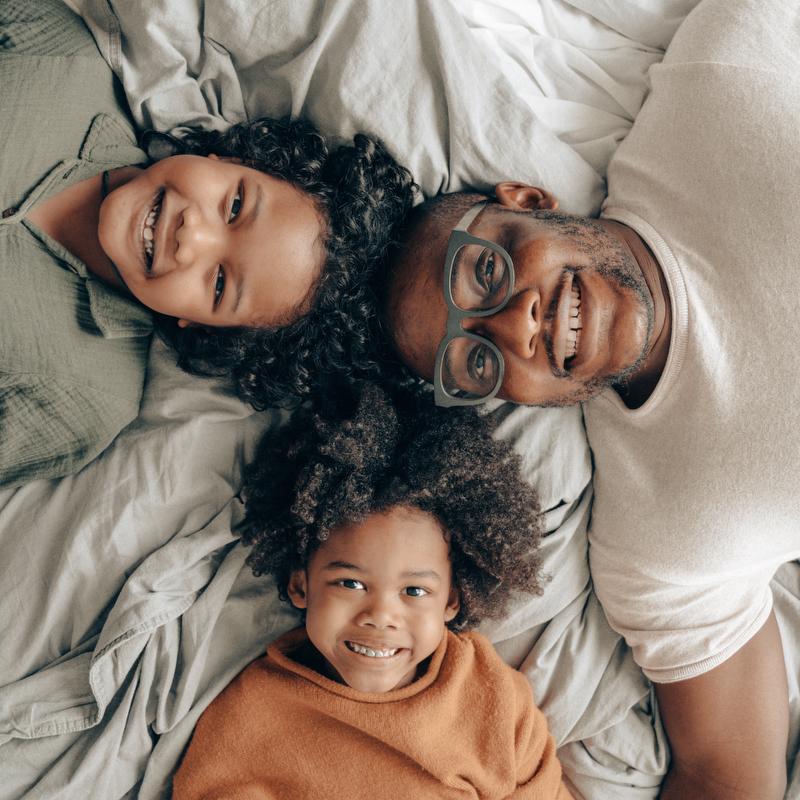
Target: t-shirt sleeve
column 680, row 629
column 52, row 428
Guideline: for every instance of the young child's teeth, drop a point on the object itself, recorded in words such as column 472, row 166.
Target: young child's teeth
column 368, row 651
column 148, row 234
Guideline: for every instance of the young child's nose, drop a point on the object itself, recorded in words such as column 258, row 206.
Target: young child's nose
column 380, row 613
column 196, row 238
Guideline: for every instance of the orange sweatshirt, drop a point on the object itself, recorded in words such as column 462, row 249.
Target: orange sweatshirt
column 468, row 728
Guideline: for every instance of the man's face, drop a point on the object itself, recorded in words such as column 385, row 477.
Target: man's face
column 578, row 320
column 377, row 596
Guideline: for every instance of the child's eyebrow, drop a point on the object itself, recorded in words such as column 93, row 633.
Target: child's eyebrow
column 334, row 565
column 422, row 574
column 426, row 574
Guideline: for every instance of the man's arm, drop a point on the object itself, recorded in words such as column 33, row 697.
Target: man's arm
column 728, row 729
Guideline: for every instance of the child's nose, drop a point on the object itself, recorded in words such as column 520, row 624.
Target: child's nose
column 197, row 239
column 380, row 612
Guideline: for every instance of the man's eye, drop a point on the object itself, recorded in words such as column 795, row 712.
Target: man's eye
column 482, row 365
column 351, row 583
column 236, row 205
column 415, row 591
column 488, row 268
column 219, row 286
column 484, row 269
column 478, row 362
column 490, row 271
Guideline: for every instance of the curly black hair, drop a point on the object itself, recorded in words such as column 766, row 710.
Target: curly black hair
column 362, row 194
column 327, row 469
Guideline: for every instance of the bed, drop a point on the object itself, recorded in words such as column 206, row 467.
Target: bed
column 127, row 606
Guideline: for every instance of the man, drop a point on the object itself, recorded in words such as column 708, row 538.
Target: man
column 676, row 310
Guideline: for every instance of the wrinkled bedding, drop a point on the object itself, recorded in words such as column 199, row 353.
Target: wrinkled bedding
column 466, row 93
column 126, row 605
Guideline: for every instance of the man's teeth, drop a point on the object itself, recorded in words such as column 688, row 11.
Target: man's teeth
column 575, row 322
column 368, row 651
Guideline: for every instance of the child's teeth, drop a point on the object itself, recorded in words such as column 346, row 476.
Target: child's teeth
column 368, row 651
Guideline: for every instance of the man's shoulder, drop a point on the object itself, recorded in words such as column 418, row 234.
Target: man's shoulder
column 752, row 34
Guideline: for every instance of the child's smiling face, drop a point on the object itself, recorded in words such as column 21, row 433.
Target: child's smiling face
column 377, row 596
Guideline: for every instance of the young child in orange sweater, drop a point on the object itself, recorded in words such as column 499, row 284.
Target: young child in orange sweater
column 391, row 529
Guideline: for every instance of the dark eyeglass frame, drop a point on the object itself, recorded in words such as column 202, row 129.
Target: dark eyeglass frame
column 459, row 237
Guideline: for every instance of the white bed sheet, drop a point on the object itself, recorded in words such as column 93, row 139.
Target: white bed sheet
column 466, row 93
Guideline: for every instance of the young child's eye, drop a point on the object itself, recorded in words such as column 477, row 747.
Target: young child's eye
column 351, row 583
column 415, row 591
column 236, row 205
column 219, row 286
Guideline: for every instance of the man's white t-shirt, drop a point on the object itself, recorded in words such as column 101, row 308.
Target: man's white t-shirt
column 697, row 493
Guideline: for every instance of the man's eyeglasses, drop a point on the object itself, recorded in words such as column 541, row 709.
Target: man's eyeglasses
column 478, row 282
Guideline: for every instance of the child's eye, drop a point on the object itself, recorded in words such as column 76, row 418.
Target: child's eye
column 219, row 286
column 415, row 591
column 350, row 583
column 236, row 205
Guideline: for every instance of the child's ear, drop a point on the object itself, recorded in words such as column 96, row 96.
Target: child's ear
column 230, row 159
column 453, row 605
column 298, row 589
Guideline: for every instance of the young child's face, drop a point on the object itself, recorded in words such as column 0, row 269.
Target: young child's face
column 377, row 596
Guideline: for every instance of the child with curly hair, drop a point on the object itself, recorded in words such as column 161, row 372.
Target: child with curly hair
column 394, row 529
column 248, row 249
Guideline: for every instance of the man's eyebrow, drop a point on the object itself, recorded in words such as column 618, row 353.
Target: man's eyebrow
column 427, row 574
column 334, row 565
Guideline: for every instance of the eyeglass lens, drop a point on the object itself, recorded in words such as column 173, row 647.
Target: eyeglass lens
column 479, row 278
column 470, row 368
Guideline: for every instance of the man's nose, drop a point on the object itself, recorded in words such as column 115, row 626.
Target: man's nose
column 197, row 239
column 514, row 328
column 379, row 611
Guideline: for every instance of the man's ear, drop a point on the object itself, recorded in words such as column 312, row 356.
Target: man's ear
column 522, row 197
column 298, row 589
column 453, row 604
